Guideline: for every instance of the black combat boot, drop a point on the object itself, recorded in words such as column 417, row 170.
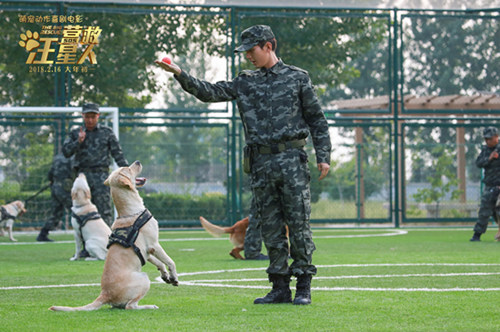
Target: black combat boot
column 280, row 293
column 303, row 290
column 43, row 236
column 476, row 237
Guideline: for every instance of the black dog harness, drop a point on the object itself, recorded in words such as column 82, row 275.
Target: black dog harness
column 82, row 220
column 4, row 215
column 126, row 236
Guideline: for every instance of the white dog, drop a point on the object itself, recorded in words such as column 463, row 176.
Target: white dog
column 89, row 228
column 8, row 213
column 122, row 283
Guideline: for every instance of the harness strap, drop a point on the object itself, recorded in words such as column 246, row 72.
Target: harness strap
column 82, row 220
column 126, row 236
column 5, row 215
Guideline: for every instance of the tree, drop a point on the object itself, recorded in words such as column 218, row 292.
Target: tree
column 128, row 45
column 324, row 43
column 451, row 55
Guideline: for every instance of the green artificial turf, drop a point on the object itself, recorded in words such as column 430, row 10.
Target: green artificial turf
column 422, row 280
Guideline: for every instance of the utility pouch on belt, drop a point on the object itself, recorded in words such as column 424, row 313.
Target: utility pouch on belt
column 247, row 159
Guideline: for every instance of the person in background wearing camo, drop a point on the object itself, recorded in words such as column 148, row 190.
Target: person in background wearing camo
column 279, row 109
column 93, row 147
column 489, row 160
column 253, row 236
column 61, row 180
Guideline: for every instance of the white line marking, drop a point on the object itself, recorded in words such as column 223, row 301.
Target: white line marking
column 366, row 289
column 220, row 282
column 391, row 232
column 362, row 276
column 48, row 286
column 395, row 233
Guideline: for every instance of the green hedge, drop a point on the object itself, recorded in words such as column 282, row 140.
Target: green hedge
column 185, row 207
column 168, row 209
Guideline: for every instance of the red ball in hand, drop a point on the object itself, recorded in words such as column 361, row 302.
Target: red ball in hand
column 167, row 60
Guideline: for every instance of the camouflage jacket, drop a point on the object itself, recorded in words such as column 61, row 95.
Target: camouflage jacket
column 96, row 150
column 61, row 171
column 276, row 105
column 491, row 167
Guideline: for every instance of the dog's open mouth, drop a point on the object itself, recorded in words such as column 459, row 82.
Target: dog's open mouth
column 139, row 182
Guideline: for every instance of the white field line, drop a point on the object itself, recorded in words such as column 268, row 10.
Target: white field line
column 390, row 232
column 363, row 276
column 220, row 282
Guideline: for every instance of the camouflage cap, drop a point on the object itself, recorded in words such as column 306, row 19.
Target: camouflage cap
column 254, row 35
column 90, row 108
column 490, row 132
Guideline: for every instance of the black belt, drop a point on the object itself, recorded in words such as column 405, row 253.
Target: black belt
column 280, row 147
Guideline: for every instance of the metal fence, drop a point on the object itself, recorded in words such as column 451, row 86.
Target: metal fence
column 406, row 94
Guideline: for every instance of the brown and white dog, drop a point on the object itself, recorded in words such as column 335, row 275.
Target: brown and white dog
column 9, row 212
column 90, row 230
column 236, row 234
column 123, row 284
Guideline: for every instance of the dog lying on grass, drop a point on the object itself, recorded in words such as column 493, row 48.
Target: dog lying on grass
column 123, row 284
column 8, row 214
column 90, row 230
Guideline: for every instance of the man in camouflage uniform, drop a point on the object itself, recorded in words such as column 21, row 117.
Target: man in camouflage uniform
column 279, row 109
column 489, row 161
column 61, row 179
column 93, row 147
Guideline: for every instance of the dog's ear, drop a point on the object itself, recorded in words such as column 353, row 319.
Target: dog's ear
column 87, row 194
column 106, row 182
column 125, row 181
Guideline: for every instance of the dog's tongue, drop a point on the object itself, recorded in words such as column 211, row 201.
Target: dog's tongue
column 139, row 182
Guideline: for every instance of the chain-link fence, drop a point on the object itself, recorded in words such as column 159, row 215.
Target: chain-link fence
column 406, row 94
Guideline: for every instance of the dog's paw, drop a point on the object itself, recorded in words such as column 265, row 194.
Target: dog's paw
column 173, row 281
column 74, row 258
column 13, row 240
column 170, row 280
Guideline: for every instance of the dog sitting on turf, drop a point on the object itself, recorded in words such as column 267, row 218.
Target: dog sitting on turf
column 90, row 230
column 8, row 214
column 134, row 241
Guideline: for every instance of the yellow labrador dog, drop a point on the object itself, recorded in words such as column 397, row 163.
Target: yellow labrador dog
column 122, row 282
column 8, row 213
column 89, row 228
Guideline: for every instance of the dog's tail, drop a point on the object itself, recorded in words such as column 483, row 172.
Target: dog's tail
column 215, row 230
column 89, row 307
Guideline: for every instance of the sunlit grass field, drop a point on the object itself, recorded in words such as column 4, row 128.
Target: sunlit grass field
column 368, row 280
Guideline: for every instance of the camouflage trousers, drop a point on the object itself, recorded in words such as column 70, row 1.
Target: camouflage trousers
column 101, row 195
column 487, row 209
column 61, row 202
column 280, row 185
column 253, row 236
